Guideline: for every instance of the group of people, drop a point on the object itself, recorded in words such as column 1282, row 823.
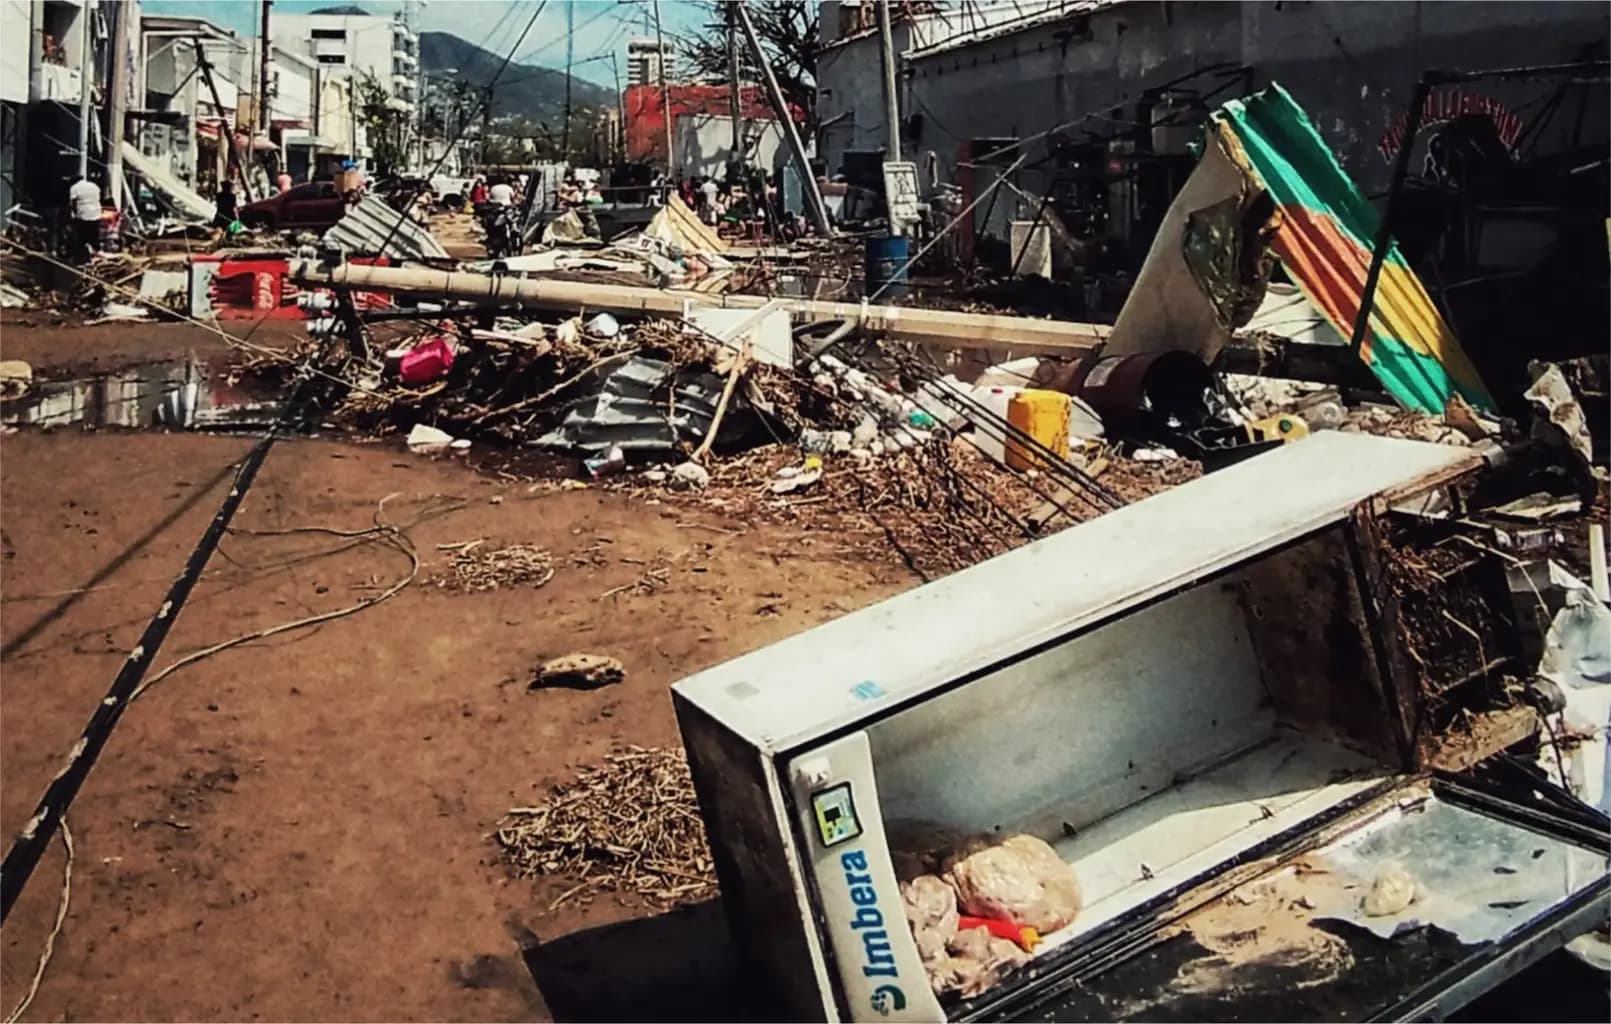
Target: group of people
column 501, row 192
column 715, row 201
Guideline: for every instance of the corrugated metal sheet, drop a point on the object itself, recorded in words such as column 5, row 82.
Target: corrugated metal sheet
column 370, row 224
column 1324, row 231
column 632, row 410
column 180, row 195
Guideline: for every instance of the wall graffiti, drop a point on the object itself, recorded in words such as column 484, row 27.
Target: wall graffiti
column 1450, row 104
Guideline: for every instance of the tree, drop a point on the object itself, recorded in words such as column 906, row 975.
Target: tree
column 788, row 34
column 384, row 124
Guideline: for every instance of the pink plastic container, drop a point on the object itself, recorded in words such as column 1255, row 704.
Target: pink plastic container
column 429, row 360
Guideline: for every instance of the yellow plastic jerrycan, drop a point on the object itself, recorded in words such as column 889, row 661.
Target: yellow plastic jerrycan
column 1043, row 415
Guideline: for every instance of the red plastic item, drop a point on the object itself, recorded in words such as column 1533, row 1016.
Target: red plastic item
column 1025, row 936
column 427, row 361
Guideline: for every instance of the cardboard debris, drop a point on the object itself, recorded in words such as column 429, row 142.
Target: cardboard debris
column 16, row 377
column 677, row 225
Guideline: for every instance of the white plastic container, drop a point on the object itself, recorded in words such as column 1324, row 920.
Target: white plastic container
column 990, row 436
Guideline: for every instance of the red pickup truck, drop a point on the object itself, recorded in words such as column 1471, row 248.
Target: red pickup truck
column 315, row 206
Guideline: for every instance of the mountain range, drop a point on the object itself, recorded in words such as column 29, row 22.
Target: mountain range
column 523, row 90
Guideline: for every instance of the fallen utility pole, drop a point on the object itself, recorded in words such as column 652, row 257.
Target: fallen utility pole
column 791, row 132
column 41, row 827
column 942, row 328
column 237, row 162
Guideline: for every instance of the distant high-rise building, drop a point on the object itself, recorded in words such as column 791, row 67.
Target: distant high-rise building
column 644, row 59
column 347, row 40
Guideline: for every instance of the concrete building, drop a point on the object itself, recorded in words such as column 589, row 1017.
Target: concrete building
column 188, row 129
column 351, row 42
column 850, row 84
column 1129, row 82
column 16, row 22
column 705, row 141
column 183, row 124
column 42, row 75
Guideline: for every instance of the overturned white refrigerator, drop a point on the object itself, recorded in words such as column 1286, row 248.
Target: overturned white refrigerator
column 1259, row 719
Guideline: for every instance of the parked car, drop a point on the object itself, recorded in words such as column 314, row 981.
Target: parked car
column 315, row 206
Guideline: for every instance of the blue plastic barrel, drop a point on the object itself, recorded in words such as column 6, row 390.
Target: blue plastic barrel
column 886, row 264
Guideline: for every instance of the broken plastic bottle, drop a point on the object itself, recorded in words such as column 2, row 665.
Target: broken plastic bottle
column 608, row 464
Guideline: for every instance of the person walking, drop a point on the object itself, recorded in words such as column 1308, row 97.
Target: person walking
column 84, row 203
column 225, row 205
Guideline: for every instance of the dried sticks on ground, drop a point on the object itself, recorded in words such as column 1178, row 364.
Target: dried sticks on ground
column 629, row 825
column 472, row 568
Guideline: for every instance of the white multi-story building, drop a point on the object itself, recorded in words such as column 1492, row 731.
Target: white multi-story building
column 348, row 41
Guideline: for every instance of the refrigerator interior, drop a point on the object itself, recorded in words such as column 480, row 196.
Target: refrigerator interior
column 1152, row 748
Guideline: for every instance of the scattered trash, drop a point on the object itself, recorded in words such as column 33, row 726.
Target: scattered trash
column 604, row 326
column 427, row 361
column 118, row 311
column 1391, row 892
column 578, row 672
column 1577, row 649
column 424, row 440
column 793, row 478
column 608, row 464
column 1553, row 399
column 690, row 476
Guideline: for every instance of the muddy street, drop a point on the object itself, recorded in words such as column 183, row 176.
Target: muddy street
column 300, row 825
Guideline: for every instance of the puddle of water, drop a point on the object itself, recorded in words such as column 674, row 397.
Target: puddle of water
column 180, row 395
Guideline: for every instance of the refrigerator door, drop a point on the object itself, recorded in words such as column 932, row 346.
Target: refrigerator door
column 841, row 830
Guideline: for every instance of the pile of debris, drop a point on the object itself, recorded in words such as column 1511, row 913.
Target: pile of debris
column 629, row 825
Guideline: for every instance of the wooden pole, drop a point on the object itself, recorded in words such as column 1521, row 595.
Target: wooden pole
column 735, row 102
column 263, row 119
column 117, row 103
column 570, row 50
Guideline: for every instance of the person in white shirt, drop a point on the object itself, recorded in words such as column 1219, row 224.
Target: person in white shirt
column 84, row 203
column 708, row 191
column 501, row 194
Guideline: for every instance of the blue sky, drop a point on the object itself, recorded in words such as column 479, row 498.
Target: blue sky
column 602, row 26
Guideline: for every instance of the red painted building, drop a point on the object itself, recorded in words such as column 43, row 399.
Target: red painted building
column 646, row 119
